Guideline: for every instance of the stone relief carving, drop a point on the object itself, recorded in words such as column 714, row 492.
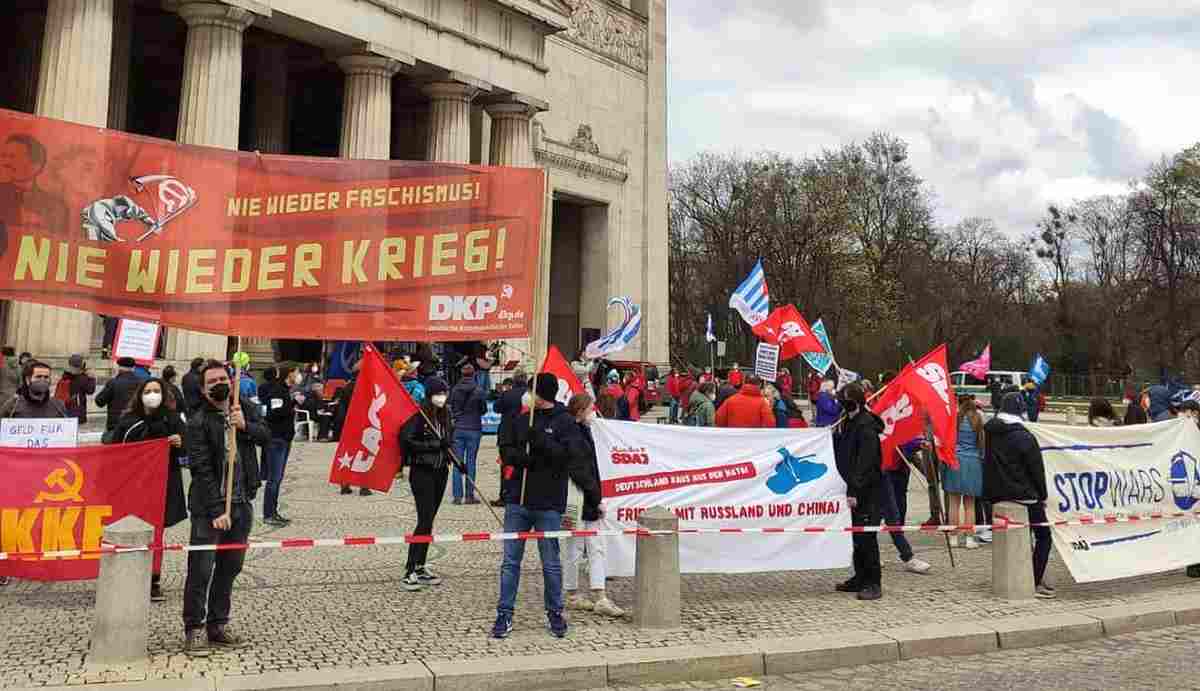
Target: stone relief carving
column 606, row 31
column 584, row 142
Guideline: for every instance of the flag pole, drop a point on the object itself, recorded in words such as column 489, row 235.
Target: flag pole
column 232, row 456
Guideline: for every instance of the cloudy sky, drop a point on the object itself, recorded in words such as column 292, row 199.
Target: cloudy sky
column 1007, row 105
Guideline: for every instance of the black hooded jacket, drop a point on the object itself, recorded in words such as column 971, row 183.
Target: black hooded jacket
column 859, row 455
column 544, row 452
column 1012, row 467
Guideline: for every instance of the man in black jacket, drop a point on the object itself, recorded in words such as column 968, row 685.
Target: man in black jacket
column 858, row 455
column 508, row 407
column 537, row 464
column 116, row 394
column 210, row 574
column 193, row 395
column 1013, row 470
column 281, row 419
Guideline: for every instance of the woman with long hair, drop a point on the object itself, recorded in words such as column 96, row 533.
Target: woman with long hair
column 583, row 449
column 427, row 440
column 153, row 413
column 964, row 484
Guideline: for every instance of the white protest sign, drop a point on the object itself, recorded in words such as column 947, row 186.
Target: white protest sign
column 1117, row 472
column 766, row 361
column 39, row 433
column 136, row 339
column 726, row 478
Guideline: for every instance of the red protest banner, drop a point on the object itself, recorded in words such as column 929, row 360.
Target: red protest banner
column 61, row 499
column 272, row 246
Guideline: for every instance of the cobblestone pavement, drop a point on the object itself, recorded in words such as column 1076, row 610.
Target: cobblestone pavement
column 1161, row 659
column 343, row 607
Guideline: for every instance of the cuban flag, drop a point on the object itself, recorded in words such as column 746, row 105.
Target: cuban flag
column 1039, row 371
column 751, row 299
column 708, row 334
column 619, row 338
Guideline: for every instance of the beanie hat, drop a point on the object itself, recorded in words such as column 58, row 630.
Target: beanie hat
column 75, row 364
column 546, row 386
column 126, row 362
column 435, row 386
column 854, row 392
column 1012, row 404
column 614, row 375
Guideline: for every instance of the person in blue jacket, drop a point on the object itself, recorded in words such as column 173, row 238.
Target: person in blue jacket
column 828, row 408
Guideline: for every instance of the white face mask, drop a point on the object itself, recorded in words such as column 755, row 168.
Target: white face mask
column 527, row 400
column 151, row 399
column 438, row 401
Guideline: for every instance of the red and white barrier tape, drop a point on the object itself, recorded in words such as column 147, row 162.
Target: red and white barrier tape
column 369, row 541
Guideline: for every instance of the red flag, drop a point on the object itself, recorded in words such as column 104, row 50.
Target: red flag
column 568, row 383
column 787, row 328
column 921, row 389
column 369, row 454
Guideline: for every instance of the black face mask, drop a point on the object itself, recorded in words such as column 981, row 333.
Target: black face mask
column 39, row 390
column 850, row 406
column 219, row 392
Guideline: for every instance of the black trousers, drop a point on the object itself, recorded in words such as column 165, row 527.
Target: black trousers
column 428, row 486
column 208, row 591
column 867, row 570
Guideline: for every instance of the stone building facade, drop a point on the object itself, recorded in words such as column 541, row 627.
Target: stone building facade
column 577, row 87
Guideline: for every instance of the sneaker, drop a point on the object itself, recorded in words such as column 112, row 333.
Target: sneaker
column 412, row 582
column 156, row 593
column 274, row 521
column 223, row 637
column 556, row 624
column 346, row 489
column 365, row 492
column 470, row 500
column 426, row 577
column 606, row 607
column 970, row 543
column 984, row 536
column 850, row 586
column 870, row 592
column 1048, row 586
column 456, row 501
column 1193, row 571
column 281, row 519
column 498, row 503
column 503, row 626
column 195, row 643
column 917, row 566
column 579, row 602
column 1044, row 593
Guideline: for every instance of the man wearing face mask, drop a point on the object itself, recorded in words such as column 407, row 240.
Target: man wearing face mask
column 33, row 399
column 858, row 454
column 210, row 574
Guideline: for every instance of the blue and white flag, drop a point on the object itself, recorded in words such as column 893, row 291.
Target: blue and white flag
column 709, row 335
column 620, row 337
column 751, row 298
column 1039, row 371
column 821, row 362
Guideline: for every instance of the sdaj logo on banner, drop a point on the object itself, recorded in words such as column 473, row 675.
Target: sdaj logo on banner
column 726, row 478
column 1123, row 471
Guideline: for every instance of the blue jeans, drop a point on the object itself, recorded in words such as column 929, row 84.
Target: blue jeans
column 466, row 447
column 674, row 410
column 276, row 460
column 893, row 504
column 519, row 519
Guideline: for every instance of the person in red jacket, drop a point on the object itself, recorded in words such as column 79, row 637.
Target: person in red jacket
column 747, row 408
column 633, row 393
column 673, row 392
column 784, row 383
column 707, row 376
column 735, row 376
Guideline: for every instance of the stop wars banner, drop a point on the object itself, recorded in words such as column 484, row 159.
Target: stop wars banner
column 1119, row 473
column 272, row 246
column 726, row 478
column 55, row 500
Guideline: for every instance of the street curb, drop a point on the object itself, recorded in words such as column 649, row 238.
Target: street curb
column 709, row 661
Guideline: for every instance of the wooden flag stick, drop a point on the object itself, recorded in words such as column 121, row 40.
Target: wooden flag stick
column 231, row 454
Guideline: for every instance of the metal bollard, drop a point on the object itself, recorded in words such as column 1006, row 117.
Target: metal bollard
column 120, row 628
column 656, row 579
column 1012, row 563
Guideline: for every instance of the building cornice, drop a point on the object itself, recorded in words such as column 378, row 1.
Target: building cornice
column 581, row 155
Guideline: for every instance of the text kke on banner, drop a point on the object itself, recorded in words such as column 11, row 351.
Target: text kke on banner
column 280, row 246
column 725, row 478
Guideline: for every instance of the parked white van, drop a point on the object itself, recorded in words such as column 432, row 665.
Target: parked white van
column 965, row 383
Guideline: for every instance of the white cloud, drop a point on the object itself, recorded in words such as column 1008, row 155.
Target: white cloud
column 1007, row 106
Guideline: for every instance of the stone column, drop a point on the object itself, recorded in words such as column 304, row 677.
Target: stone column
column 450, row 121
column 210, row 110
column 122, row 55
column 72, row 85
column 367, row 111
column 271, row 98
column 511, row 143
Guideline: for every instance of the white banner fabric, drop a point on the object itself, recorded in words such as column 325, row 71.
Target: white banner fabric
column 726, row 478
column 1123, row 471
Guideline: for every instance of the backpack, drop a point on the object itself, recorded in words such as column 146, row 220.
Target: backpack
column 63, row 391
column 623, row 408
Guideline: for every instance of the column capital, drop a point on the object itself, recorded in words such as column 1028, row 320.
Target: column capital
column 510, row 111
column 451, row 91
column 208, row 13
column 373, row 65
